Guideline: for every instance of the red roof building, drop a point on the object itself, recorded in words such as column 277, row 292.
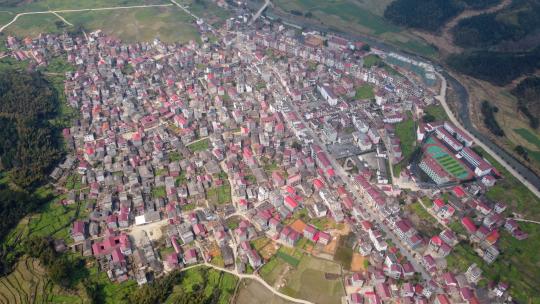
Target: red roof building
column 468, row 224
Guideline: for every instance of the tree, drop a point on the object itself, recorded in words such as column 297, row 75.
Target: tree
column 520, row 150
column 428, row 118
column 60, row 24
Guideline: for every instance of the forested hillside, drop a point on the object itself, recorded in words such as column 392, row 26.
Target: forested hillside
column 499, row 68
column 12, row 2
column 500, row 46
column 29, row 145
column 430, row 15
column 519, row 20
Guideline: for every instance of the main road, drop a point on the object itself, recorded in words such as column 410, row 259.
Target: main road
column 343, row 175
column 529, row 178
column 522, row 173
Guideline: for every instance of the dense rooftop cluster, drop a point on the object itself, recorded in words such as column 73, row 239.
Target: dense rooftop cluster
column 186, row 153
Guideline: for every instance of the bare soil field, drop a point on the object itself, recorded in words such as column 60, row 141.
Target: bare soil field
column 358, row 263
column 251, row 291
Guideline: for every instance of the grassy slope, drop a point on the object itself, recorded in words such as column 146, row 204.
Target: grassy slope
column 512, row 192
column 519, row 262
column 406, row 132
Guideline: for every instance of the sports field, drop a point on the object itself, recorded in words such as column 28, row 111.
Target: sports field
column 448, row 162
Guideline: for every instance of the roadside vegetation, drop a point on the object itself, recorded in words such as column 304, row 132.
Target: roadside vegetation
column 406, row 132
column 490, row 121
column 434, row 113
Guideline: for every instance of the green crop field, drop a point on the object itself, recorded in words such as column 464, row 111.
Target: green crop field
column 52, row 219
column 272, row 270
column 364, row 92
column 529, row 136
column 344, row 251
column 293, row 261
column 219, row 195
column 32, row 25
column 199, row 145
column 169, row 23
column 311, row 272
column 28, row 283
column 372, row 60
column 340, row 12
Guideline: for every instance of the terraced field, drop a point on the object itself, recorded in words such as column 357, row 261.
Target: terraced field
column 28, row 284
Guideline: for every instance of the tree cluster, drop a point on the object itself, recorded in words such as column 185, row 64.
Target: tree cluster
column 499, row 68
column 60, row 268
column 488, row 111
column 158, row 291
column 511, row 24
column 14, row 205
column 528, row 94
column 29, row 144
column 29, row 147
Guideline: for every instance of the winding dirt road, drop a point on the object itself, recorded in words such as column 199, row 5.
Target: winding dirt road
column 55, row 12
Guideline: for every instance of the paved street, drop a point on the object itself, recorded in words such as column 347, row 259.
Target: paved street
column 344, row 176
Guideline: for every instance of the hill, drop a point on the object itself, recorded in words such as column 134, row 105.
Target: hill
column 499, row 68
column 430, row 15
column 29, row 146
column 513, row 28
